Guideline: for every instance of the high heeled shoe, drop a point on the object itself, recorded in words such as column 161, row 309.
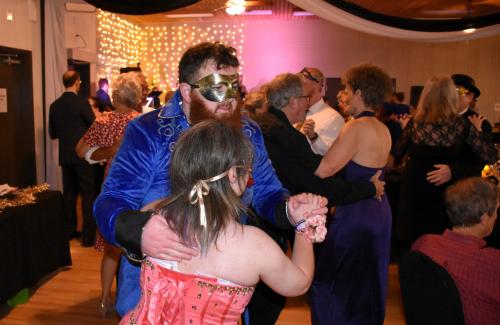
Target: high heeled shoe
column 105, row 308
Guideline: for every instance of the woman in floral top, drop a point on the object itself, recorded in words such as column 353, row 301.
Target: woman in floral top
column 100, row 144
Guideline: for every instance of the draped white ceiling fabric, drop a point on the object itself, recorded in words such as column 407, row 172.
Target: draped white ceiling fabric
column 340, row 17
column 56, row 64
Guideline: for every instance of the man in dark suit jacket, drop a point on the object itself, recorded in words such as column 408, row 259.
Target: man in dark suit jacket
column 291, row 154
column 70, row 116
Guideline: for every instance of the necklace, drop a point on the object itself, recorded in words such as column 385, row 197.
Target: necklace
column 365, row 114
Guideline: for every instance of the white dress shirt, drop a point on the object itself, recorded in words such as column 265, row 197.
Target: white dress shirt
column 327, row 124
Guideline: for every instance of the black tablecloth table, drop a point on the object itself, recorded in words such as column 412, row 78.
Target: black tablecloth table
column 33, row 243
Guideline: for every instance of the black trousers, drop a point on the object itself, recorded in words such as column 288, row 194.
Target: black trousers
column 265, row 306
column 79, row 179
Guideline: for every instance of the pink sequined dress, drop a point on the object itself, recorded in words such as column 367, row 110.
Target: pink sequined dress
column 171, row 297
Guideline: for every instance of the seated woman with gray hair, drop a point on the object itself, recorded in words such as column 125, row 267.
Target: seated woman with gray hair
column 472, row 206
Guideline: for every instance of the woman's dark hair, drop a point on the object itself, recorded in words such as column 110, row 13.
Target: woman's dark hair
column 197, row 56
column 374, row 83
column 98, row 104
column 208, row 149
column 468, row 199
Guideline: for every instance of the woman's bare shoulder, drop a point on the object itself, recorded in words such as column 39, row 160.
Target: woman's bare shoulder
column 255, row 239
column 252, row 232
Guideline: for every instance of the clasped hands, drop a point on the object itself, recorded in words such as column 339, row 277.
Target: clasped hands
column 159, row 241
column 442, row 173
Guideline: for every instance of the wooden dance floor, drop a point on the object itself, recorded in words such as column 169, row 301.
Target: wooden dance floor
column 71, row 296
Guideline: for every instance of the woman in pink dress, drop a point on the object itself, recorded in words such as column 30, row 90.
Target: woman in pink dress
column 99, row 144
column 209, row 170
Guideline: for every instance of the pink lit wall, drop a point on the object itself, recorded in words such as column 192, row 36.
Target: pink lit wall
column 276, row 46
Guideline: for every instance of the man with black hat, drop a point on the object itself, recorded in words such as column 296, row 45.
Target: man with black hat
column 470, row 165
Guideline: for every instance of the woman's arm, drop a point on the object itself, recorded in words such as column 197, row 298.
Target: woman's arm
column 81, row 148
column 98, row 155
column 290, row 277
column 400, row 148
column 286, row 277
column 341, row 151
column 481, row 145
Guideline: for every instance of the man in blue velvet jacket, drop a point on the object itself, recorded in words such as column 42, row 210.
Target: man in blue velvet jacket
column 208, row 84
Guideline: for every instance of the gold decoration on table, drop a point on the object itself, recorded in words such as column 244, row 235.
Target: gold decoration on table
column 23, row 196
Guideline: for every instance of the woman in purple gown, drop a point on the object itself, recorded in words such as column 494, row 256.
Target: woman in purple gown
column 350, row 282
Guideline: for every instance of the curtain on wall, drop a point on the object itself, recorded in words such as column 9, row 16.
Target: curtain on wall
column 143, row 7
column 55, row 66
column 338, row 16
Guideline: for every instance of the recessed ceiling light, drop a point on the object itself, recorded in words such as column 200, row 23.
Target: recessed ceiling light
column 469, row 30
column 235, row 7
column 235, row 10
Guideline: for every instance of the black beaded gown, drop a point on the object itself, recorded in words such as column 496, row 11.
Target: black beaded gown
column 421, row 206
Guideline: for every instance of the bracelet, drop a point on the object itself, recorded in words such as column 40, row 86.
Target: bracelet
column 301, row 226
column 134, row 257
column 89, row 153
column 286, row 212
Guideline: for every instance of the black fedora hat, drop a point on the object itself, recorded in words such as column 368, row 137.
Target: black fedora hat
column 467, row 82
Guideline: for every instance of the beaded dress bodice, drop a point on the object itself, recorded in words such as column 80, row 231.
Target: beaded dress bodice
column 172, row 297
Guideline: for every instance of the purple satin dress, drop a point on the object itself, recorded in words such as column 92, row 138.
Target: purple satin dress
column 350, row 283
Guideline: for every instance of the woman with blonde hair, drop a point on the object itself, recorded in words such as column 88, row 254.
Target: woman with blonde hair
column 433, row 137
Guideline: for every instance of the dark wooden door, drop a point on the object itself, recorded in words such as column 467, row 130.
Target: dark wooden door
column 333, row 86
column 83, row 69
column 17, row 142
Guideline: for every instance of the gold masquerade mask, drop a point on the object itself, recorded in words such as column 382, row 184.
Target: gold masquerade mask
column 462, row 91
column 218, row 87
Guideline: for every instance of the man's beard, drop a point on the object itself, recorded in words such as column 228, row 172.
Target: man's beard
column 199, row 112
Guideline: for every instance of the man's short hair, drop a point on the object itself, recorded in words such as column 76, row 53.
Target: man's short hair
column 282, row 88
column 197, row 56
column 374, row 83
column 102, row 82
column 470, row 198
column 70, row 77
